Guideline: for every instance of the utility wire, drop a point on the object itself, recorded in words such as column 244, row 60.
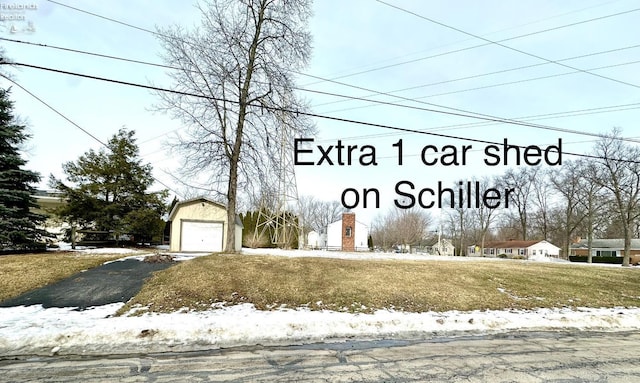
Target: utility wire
column 570, row 113
column 379, row 62
column 90, row 53
column 350, row 98
column 370, row 94
column 462, row 112
column 456, row 111
column 309, row 114
column 478, row 46
column 488, row 42
column 505, row 46
column 490, row 73
column 416, row 99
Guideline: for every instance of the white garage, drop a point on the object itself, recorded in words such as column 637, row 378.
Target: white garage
column 202, row 236
column 200, row 225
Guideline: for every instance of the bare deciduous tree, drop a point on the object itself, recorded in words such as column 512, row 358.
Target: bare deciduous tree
column 403, row 227
column 318, row 214
column 569, row 183
column 234, row 91
column 483, row 216
column 542, row 197
column 521, row 181
column 620, row 175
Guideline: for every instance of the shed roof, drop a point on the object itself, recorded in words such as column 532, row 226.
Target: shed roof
column 206, row 199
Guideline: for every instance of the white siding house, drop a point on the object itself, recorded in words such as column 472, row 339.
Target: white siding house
column 535, row 250
column 347, row 234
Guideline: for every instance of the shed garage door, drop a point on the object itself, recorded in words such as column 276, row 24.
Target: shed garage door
column 201, row 236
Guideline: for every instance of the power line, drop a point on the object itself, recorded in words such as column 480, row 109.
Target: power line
column 456, row 111
column 374, row 65
column 88, row 53
column 415, row 99
column 107, row 18
column 350, row 98
column 362, row 98
column 570, row 113
column 459, row 112
column 479, row 46
column 76, row 125
column 488, row 42
column 309, row 114
column 505, row 46
column 492, row 73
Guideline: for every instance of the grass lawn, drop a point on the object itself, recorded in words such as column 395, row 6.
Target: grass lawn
column 25, row 272
column 364, row 286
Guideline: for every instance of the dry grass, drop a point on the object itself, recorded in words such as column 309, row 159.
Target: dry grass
column 22, row 273
column 363, row 286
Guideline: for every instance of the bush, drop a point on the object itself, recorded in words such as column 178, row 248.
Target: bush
column 503, row 256
column 518, row 257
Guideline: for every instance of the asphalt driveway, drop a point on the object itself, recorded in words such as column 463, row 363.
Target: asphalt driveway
column 113, row 282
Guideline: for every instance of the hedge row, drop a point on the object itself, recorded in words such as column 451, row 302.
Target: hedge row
column 583, row 258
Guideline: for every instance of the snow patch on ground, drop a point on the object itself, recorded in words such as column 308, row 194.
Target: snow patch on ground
column 34, row 330
column 366, row 255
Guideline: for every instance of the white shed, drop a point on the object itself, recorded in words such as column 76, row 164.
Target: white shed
column 200, row 224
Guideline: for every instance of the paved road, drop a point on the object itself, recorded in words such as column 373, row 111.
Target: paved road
column 537, row 357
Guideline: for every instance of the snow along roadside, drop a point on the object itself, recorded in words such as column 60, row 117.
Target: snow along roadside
column 33, row 330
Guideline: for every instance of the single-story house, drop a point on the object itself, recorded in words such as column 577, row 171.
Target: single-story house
column 347, row 234
column 200, row 224
column 536, row 249
column 604, row 247
column 48, row 201
column 444, row 247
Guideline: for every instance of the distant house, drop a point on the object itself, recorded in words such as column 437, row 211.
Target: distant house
column 537, row 249
column 433, row 247
column 604, row 247
column 347, row 234
column 48, row 201
column 316, row 240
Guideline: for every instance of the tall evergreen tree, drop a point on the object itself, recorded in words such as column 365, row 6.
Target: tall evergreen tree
column 108, row 190
column 19, row 226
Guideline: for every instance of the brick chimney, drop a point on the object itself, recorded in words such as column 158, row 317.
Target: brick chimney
column 348, row 231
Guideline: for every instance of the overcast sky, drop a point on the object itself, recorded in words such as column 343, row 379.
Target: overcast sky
column 442, row 50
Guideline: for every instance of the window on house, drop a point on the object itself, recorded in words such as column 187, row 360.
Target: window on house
column 534, row 251
column 348, row 231
column 521, row 251
column 508, row 251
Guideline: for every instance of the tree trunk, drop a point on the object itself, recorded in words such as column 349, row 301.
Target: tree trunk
column 235, row 154
column 590, row 232
column 627, row 244
column 230, row 246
